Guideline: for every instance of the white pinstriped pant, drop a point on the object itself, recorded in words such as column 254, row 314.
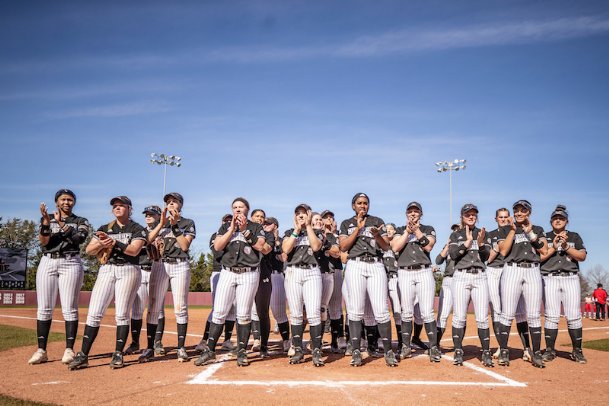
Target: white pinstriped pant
column 213, row 283
column 303, row 286
column 565, row 290
column 278, row 298
column 516, row 281
column 114, row 282
column 178, row 275
column 235, row 289
column 468, row 286
column 363, row 278
column 445, row 302
column 369, row 319
column 327, row 288
column 493, row 276
column 335, row 306
column 417, row 284
column 393, row 290
column 141, row 297
column 63, row 276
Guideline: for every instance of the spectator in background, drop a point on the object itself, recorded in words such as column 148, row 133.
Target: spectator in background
column 589, row 307
column 600, row 297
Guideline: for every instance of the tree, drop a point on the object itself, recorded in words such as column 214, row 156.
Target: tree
column 585, row 286
column 23, row 234
column 201, row 272
column 597, row 274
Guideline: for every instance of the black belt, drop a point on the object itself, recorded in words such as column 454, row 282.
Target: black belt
column 524, row 264
column 146, row 267
column 473, row 271
column 63, row 255
column 174, row 260
column 563, row 273
column 392, row 274
column 367, row 258
column 119, row 263
column 241, row 269
column 303, row 266
column 413, row 267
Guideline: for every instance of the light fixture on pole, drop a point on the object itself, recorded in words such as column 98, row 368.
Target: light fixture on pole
column 164, row 159
column 450, row 166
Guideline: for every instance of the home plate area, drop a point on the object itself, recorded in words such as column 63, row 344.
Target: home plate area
column 337, row 373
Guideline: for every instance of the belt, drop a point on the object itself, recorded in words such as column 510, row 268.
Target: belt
column 119, row 263
column 473, row 271
column 412, row 267
column 241, row 269
column 524, row 264
column 392, row 274
column 367, row 258
column 63, row 255
column 303, row 266
column 563, row 273
column 174, row 260
column 146, row 267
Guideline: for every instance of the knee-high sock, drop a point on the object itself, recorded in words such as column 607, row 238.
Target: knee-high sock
column 398, row 330
column 355, row 329
column 523, row 332
column 535, row 338
column 496, row 329
column 440, row 333
column 347, row 331
column 243, row 335
column 215, row 331
column 485, row 338
column 71, row 332
column 406, row 332
column 228, row 329
column 88, row 338
column 458, row 333
column 432, row 330
column 551, row 334
column 504, row 335
column 182, row 329
column 384, row 330
column 334, row 326
column 136, row 329
column 316, row 335
column 43, row 327
column 284, row 330
column 576, row 337
column 297, row 332
column 122, row 334
column 150, row 333
column 417, row 330
column 256, row 329
column 371, row 336
column 160, row 328
column 206, row 332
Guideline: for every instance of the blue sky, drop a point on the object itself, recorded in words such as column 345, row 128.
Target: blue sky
column 301, row 101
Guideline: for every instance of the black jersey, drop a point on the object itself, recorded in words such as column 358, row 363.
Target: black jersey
column 522, row 250
column 465, row 258
column 413, row 254
column 449, row 268
column 238, row 252
column 492, row 240
column 172, row 248
column 325, row 260
column 129, row 232
column 144, row 259
column 69, row 241
column 216, row 266
column 302, row 253
column 391, row 264
column 365, row 244
column 560, row 260
column 266, row 262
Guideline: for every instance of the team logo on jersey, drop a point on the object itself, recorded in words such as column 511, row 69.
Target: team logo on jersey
column 373, row 243
column 237, row 236
column 247, row 250
column 302, row 240
column 474, row 246
column 520, row 238
column 121, row 237
column 310, row 251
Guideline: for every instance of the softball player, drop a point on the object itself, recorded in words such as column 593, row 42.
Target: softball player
column 329, row 248
column 445, row 301
column 413, row 243
column 521, row 243
column 335, row 305
column 177, row 233
column 468, row 249
column 261, row 320
column 494, row 269
column 60, row 270
column 118, row 279
column 239, row 243
column 361, row 236
column 393, row 290
column 560, row 270
column 303, row 282
column 278, row 298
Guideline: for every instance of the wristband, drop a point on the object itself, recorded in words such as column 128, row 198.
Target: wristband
column 45, row 230
column 120, row 246
column 424, row 241
column 532, row 236
column 176, row 231
column 537, row 244
column 294, row 235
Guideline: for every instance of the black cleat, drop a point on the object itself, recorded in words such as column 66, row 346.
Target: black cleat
column 80, row 361
column 537, row 360
column 487, row 358
column 298, row 356
column 206, row 357
column 133, row 348
column 146, row 356
column 117, row 360
column 458, row 358
column 405, row 352
column 434, row 354
column 242, row 360
column 334, row 348
column 317, row 361
column 374, row 352
column 578, row 356
column 548, row 355
column 356, row 358
column 417, row 341
column 504, row 357
column 264, row 353
column 390, row 359
column 158, row 348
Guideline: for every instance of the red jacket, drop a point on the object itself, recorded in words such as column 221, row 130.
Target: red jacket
column 600, row 295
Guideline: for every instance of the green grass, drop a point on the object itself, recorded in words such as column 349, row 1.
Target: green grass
column 599, row 345
column 7, row 400
column 11, row 337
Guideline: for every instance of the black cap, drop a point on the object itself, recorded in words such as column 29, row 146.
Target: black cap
column 152, row 209
column 414, row 204
column 467, row 207
column 524, row 203
column 121, row 199
column 325, row 213
column 65, row 192
column 560, row 210
column 227, row 217
column 304, row 206
column 176, row 196
column 357, row 195
column 271, row 220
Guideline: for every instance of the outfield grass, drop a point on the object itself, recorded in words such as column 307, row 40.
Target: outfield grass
column 11, row 337
column 7, row 400
column 599, row 345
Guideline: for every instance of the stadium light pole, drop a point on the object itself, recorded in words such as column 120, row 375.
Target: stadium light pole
column 164, row 159
column 450, row 166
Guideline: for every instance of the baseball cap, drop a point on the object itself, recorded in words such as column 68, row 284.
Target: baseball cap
column 467, row 207
column 560, row 210
column 304, row 206
column 175, row 195
column 227, row 217
column 121, row 199
column 414, row 204
column 325, row 213
column 152, row 209
column 357, row 195
column 65, row 192
column 524, row 203
column 455, row 227
column 271, row 220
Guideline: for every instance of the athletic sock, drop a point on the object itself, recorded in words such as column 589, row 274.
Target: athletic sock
column 370, row 336
column 485, row 338
column 523, row 332
column 150, row 333
column 256, row 329
column 347, row 331
column 43, row 327
column 398, row 330
column 440, row 333
column 334, row 331
column 384, row 330
column 504, row 335
column 496, row 328
column 550, row 335
column 160, row 328
column 243, row 335
column 316, row 336
column 215, row 331
column 136, row 328
column 284, row 330
column 297, row 332
column 406, row 332
column 71, row 333
column 576, row 337
column 122, row 334
column 432, row 330
column 341, row 326
column 535, row 338
column 355, row 329
column 88, row 338
column 182, row 329
column 417, row 331
column 206, row 332
column 458, row 333
column 228, row 329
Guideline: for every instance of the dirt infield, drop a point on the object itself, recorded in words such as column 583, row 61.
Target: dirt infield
column 274, row 381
